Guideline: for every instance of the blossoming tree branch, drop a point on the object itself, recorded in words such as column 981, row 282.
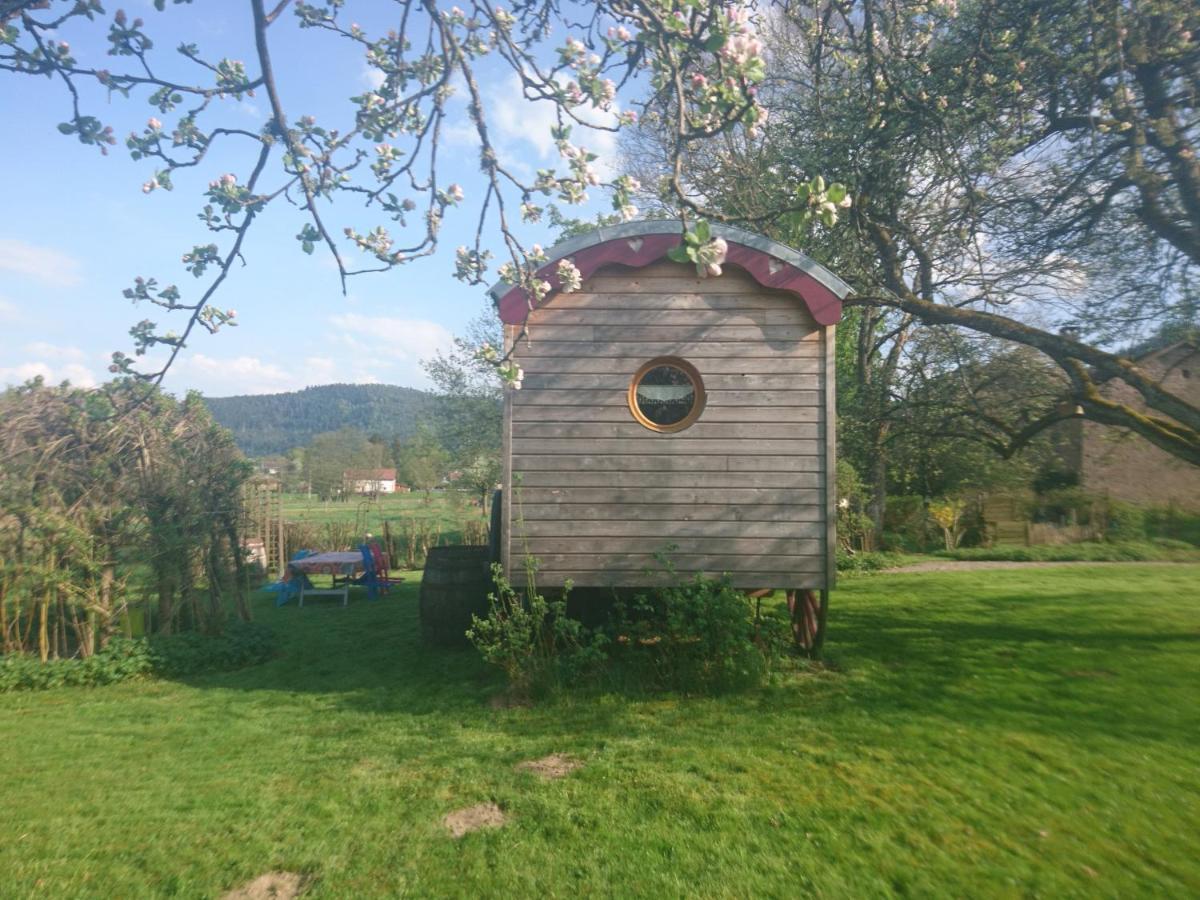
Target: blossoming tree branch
column 690, row 67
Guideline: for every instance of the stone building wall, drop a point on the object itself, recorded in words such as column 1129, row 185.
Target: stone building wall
column 1125, row 466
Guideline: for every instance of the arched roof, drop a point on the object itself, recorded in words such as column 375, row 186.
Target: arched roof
column 637, row 244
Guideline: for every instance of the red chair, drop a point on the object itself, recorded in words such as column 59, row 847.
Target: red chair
column 383, row 575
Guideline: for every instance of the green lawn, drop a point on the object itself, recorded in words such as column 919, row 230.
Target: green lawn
column 999, row 733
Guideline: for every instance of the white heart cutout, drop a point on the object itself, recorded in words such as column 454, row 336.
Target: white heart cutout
column 636, row 244
column 774, row 266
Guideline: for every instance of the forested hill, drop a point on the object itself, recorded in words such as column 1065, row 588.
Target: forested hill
column 265, row 424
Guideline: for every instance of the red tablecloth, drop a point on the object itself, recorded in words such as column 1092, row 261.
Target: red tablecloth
column 334, row 562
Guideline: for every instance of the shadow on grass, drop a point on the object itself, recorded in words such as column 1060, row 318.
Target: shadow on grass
column 1069, row 665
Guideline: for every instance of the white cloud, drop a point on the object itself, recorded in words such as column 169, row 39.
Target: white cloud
column 78, row 375
column 226, row 376
column 44, row 264
column 322, row 367
column 9, row 311
column 371, row 77
column 41, row 348
column 519, row 126
column 387, row 342
column 217, row 376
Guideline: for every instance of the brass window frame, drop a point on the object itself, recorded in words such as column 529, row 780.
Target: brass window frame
column 693, row 375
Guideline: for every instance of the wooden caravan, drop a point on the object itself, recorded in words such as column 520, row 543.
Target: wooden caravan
column 662, row 412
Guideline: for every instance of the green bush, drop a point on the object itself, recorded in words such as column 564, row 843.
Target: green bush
column 699, row 637
column 174, row 656
column 907, row 526
column 1066, row 506
column 871, row 562
column 703, row 636
column 533, row 640
column 1167, row 522
column 1125, row 522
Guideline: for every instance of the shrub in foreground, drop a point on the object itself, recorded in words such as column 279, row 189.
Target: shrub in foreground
column 532, row 639
column 174, row 656
column 702, row 636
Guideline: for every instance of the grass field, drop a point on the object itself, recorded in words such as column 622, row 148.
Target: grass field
column 444, row 507
column 447, row 517
column 1001, row 733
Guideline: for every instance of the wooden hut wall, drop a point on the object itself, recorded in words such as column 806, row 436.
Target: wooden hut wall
column 746, row 490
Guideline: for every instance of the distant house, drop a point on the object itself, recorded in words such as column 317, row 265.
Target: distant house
column 1120, row 464
column 271, row 465
column 370, row 481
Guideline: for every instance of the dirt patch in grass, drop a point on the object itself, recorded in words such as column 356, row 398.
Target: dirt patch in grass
column 473, row 818
column 271, row 886
column 556, row 765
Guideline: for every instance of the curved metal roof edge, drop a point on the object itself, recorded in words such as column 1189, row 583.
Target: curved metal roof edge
column 606, row 233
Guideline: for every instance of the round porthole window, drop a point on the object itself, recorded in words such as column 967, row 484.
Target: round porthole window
column 666, row 394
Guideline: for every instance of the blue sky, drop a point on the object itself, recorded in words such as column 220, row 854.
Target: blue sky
column 75, row 227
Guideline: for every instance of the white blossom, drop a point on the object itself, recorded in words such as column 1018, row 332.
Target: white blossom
column 569, row 277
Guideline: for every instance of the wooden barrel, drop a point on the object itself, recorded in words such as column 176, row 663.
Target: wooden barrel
column 455, row 585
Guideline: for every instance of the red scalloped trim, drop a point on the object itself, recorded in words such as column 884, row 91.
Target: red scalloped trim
column 636, row 252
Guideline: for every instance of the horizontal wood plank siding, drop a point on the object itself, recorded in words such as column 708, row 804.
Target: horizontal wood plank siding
column 713, row 382
column 556, row 478
column 690, row 348
column 700, row 431
column 627, row 365
column 669, row 304
column 532, row 412
column 674, row 318
column 584, row 462
column 595, row 495
column 617, row 397
column 742, row 578
column 590, row 528
column 782, row 335
column 665, row 445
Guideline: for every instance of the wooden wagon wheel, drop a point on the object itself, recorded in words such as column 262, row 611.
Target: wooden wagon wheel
column 807, row 612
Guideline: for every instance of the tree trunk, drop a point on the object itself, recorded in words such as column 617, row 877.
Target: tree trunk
column 43, row 627
column 5, row 643
column 108, row 577
column 85, row 632
column 216, row 606
column 187, row 591
column 166, row 604
column 239, row 568
column 877, row 483
column 60, row 627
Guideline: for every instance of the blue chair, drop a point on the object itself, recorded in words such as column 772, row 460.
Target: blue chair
column 291, row 588
column 370, row 576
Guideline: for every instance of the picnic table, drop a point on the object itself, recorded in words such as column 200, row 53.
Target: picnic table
column 338, row 563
